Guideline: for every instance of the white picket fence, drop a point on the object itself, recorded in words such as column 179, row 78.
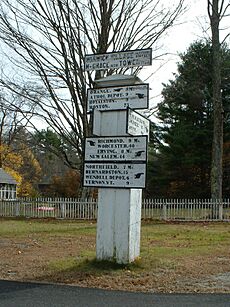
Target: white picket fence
column 186, row 209
column 159, row 209
column 66, row 208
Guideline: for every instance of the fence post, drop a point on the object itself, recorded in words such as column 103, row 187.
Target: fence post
column 17, row 208
column 63, row 208
column 220, row 210
column 164, row 211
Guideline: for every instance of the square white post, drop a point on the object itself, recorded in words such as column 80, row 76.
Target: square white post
column 119, row 224
column 119, row 210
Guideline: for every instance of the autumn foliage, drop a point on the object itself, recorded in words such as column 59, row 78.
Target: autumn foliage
column 67, row 185
column 22, row 165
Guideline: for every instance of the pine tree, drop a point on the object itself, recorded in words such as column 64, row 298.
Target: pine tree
column 186, row 123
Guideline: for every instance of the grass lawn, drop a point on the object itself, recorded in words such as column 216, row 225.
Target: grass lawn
column 175, row 257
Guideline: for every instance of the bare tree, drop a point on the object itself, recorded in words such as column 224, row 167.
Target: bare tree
column 50, row 39
column 217, row 10
column 11, row 122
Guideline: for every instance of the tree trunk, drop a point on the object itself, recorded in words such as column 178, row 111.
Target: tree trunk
column 217, row 145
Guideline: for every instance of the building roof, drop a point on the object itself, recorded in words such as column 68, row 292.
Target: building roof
column 6, row 178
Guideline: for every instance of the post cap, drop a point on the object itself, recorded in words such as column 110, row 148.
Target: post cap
column 117, row 80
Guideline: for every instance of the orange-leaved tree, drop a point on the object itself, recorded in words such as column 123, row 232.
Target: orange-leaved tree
column 67, row 185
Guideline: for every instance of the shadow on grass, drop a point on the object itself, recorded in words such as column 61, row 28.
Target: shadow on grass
column 106, row 265
column 77, row 270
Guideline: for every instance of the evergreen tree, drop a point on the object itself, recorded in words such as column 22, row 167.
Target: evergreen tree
column 183, row 158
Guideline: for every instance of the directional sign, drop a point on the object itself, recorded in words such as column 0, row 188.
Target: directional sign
column 124, row 148
column 118, row 98
column 111, row 175
column 114, row 60
column 137, row 124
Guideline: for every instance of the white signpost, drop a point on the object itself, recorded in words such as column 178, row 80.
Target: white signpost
column 116, row 149
column 111, row 175
column 114, row 60
column 137, row 124
column 115, row 161
column 118, row 98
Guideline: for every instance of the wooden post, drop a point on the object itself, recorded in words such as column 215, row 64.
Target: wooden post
column 119, row 210
column 118, row 225
column 119, row 207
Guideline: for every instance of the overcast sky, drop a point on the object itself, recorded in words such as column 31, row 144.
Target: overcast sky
column 189, row 29
column 194, row 25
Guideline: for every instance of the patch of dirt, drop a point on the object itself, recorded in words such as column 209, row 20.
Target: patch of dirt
column 28, row 260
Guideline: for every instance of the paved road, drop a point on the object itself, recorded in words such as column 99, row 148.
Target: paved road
column 18, row 294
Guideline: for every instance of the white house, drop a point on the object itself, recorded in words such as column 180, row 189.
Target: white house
column 8, row 186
